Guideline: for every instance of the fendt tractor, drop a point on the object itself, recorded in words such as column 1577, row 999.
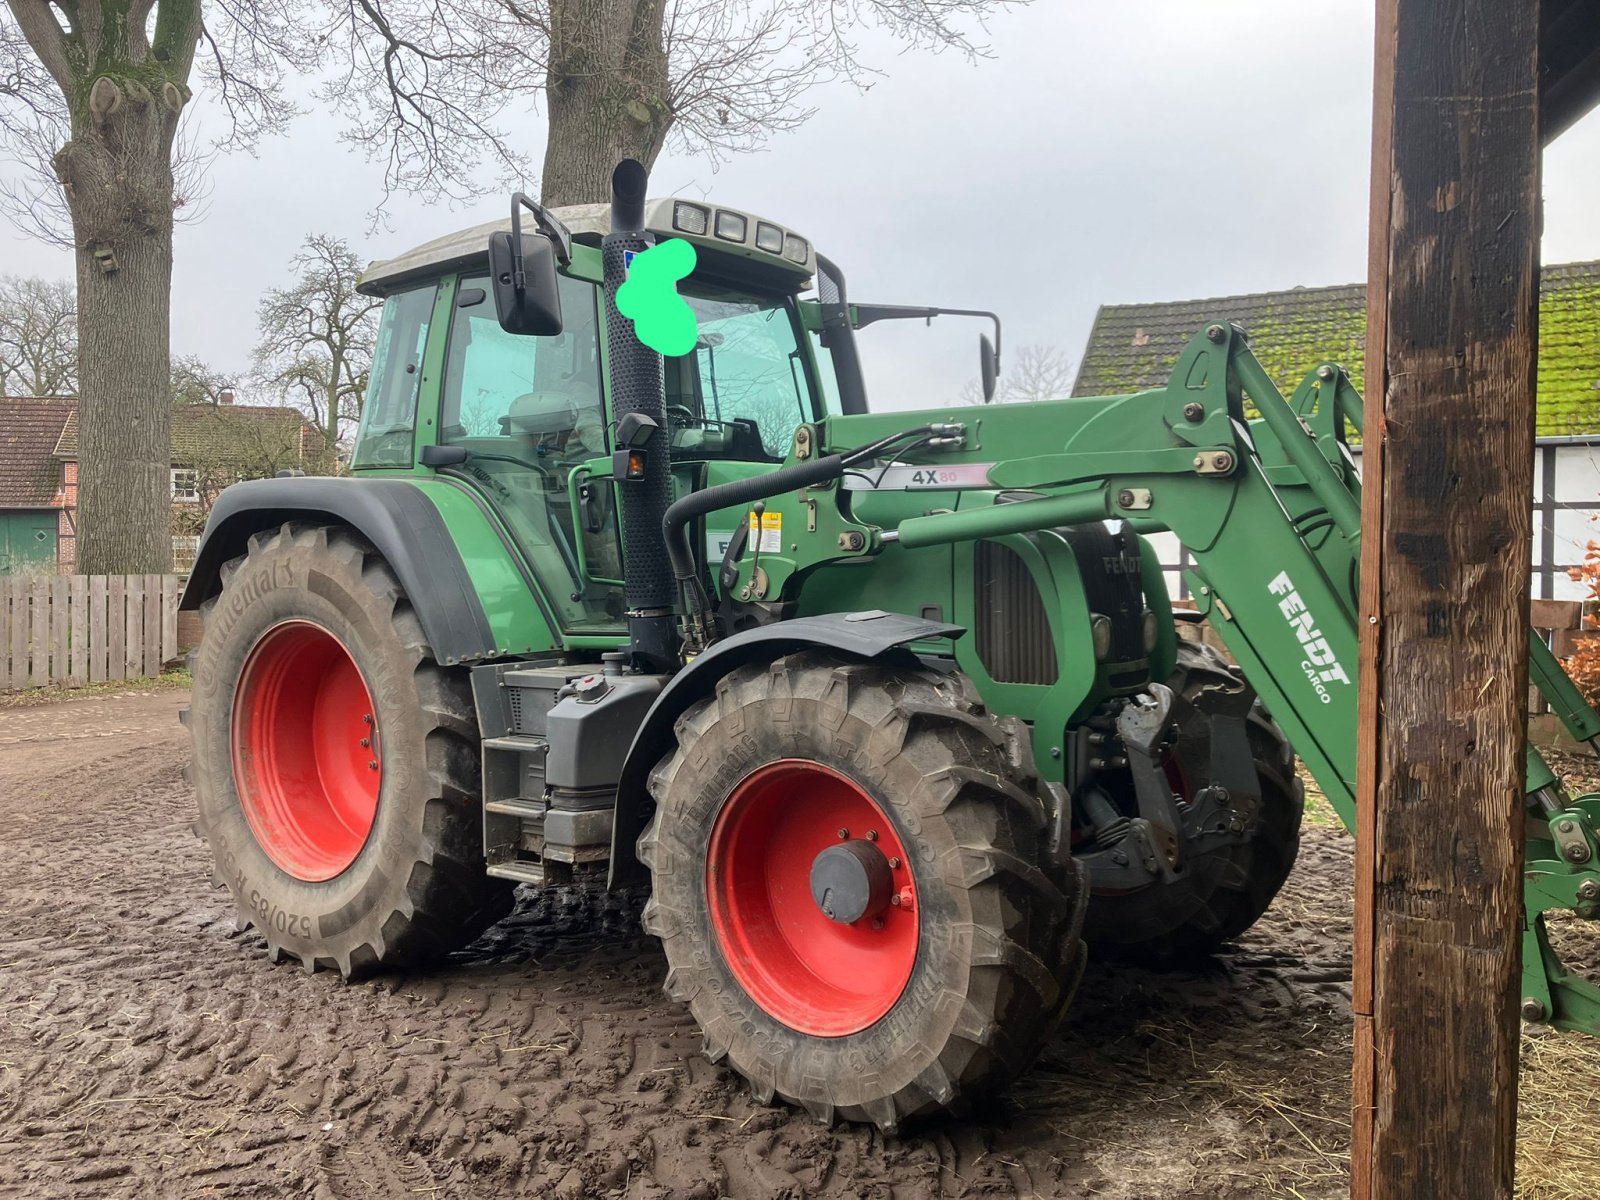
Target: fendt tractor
column 887, row 709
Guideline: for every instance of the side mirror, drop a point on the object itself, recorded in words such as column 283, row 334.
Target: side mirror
column 988, row 366
column 527, row 296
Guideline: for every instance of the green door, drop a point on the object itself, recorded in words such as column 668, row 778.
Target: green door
column 27, row 540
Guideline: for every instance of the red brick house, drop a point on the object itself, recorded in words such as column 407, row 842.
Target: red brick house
column 212, row 446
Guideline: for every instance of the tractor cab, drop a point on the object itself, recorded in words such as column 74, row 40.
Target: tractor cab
column 526, row 423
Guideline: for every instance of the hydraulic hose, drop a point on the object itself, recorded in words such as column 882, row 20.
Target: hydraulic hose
column 739, row 491
column 675, row 523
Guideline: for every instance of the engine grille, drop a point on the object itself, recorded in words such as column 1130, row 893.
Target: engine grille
column 1012, row 629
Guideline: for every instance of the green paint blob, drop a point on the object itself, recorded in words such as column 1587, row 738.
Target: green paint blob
column 649, row 298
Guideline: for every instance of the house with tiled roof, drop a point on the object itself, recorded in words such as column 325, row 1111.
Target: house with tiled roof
column 1134, row 346
column 34, row 516
column 212, row 446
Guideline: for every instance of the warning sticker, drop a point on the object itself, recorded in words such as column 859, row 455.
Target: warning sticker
column 766, row 532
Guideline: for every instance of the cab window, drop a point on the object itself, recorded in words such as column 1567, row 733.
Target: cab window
column 742, row 391
column 385, row 435
column 541, row 392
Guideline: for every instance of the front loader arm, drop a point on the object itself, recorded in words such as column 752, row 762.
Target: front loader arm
column 1269, row 509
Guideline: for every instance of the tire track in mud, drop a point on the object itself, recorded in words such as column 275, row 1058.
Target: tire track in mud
column 148, row 1048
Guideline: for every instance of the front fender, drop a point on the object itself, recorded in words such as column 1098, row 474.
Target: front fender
column 861, row 635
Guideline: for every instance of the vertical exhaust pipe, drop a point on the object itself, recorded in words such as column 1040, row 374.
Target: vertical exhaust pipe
column 638, row 385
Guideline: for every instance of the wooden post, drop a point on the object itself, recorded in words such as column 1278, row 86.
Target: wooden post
column 60, row 614
column 5, row 633
column 1448, row 463
column 39, row 632
column 78, row 628
column 98, row 645
column 171, row 593
column 116, row 627
column 133, row 633
column 20, row 632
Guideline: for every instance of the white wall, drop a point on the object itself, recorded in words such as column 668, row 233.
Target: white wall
column 1566, row 500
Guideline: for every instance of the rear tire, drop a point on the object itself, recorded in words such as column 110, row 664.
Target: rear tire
column 995, row 953
column 1223, row 891
column 398, row 884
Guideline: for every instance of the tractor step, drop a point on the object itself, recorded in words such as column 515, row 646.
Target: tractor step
column 521, row 871
column 516, row 806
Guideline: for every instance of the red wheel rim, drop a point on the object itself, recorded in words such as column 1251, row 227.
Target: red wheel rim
column 306, row 756
column 815, row 975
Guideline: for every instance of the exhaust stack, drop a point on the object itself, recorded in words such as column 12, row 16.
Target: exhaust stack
column 638, row 386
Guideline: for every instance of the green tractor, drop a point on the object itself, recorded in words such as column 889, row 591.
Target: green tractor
column 887, row 709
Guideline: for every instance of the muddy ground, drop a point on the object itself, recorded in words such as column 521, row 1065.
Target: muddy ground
column 147, row 1048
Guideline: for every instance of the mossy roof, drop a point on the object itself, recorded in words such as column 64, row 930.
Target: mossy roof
column 220, row 433
column 1134, row 346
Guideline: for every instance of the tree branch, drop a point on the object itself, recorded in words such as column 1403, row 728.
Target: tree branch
column 46, row 38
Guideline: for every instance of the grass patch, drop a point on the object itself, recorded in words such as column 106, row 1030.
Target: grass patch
column 1319, row 812
column 30, row 697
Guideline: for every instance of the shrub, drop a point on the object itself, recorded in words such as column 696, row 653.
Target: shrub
column 1583, row 664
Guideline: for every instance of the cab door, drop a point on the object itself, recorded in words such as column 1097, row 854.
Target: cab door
column 530, row 413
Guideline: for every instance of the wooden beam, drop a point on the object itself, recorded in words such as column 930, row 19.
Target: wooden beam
column 1451, row 345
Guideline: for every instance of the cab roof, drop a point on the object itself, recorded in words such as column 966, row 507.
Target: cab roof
column 789, row 268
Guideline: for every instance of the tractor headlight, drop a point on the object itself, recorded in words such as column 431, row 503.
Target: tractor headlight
column 1100, row 631
column 690, row 218
column 1152, row 631
column 731, row 226
column 769, row 238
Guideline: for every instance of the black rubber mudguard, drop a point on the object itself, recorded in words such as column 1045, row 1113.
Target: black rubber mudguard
column 861, row 635
column 392, row 514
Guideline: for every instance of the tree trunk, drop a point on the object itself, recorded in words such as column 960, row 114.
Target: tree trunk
column 117, row 175
column 330, row 434
column 607, row 92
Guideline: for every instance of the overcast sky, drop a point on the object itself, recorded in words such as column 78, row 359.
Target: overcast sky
column 1147, row 150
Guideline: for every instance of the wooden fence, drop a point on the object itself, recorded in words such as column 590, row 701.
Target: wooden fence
column 1560, row 624
column 71, row 630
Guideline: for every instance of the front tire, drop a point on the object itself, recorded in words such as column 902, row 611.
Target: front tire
column 1226, row 889
column 962, row 956
column 335, row 763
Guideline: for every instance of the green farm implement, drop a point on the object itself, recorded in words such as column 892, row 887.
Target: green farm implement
column 887, row 709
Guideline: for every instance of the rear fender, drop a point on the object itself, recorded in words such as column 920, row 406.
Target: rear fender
column 861, row 635
column 393, row 514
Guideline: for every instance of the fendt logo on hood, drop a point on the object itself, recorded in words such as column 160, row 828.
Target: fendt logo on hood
column 1321, row 667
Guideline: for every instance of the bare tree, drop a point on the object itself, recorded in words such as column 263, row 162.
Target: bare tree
column 1036, row 373
column 101, row 85
column 1032, row 372
column 317, row 336
column 92, row 93
column 196, row 382
column 38, row 337
column 623, row 78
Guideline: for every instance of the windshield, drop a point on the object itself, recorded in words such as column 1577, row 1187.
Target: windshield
column 747, row 367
